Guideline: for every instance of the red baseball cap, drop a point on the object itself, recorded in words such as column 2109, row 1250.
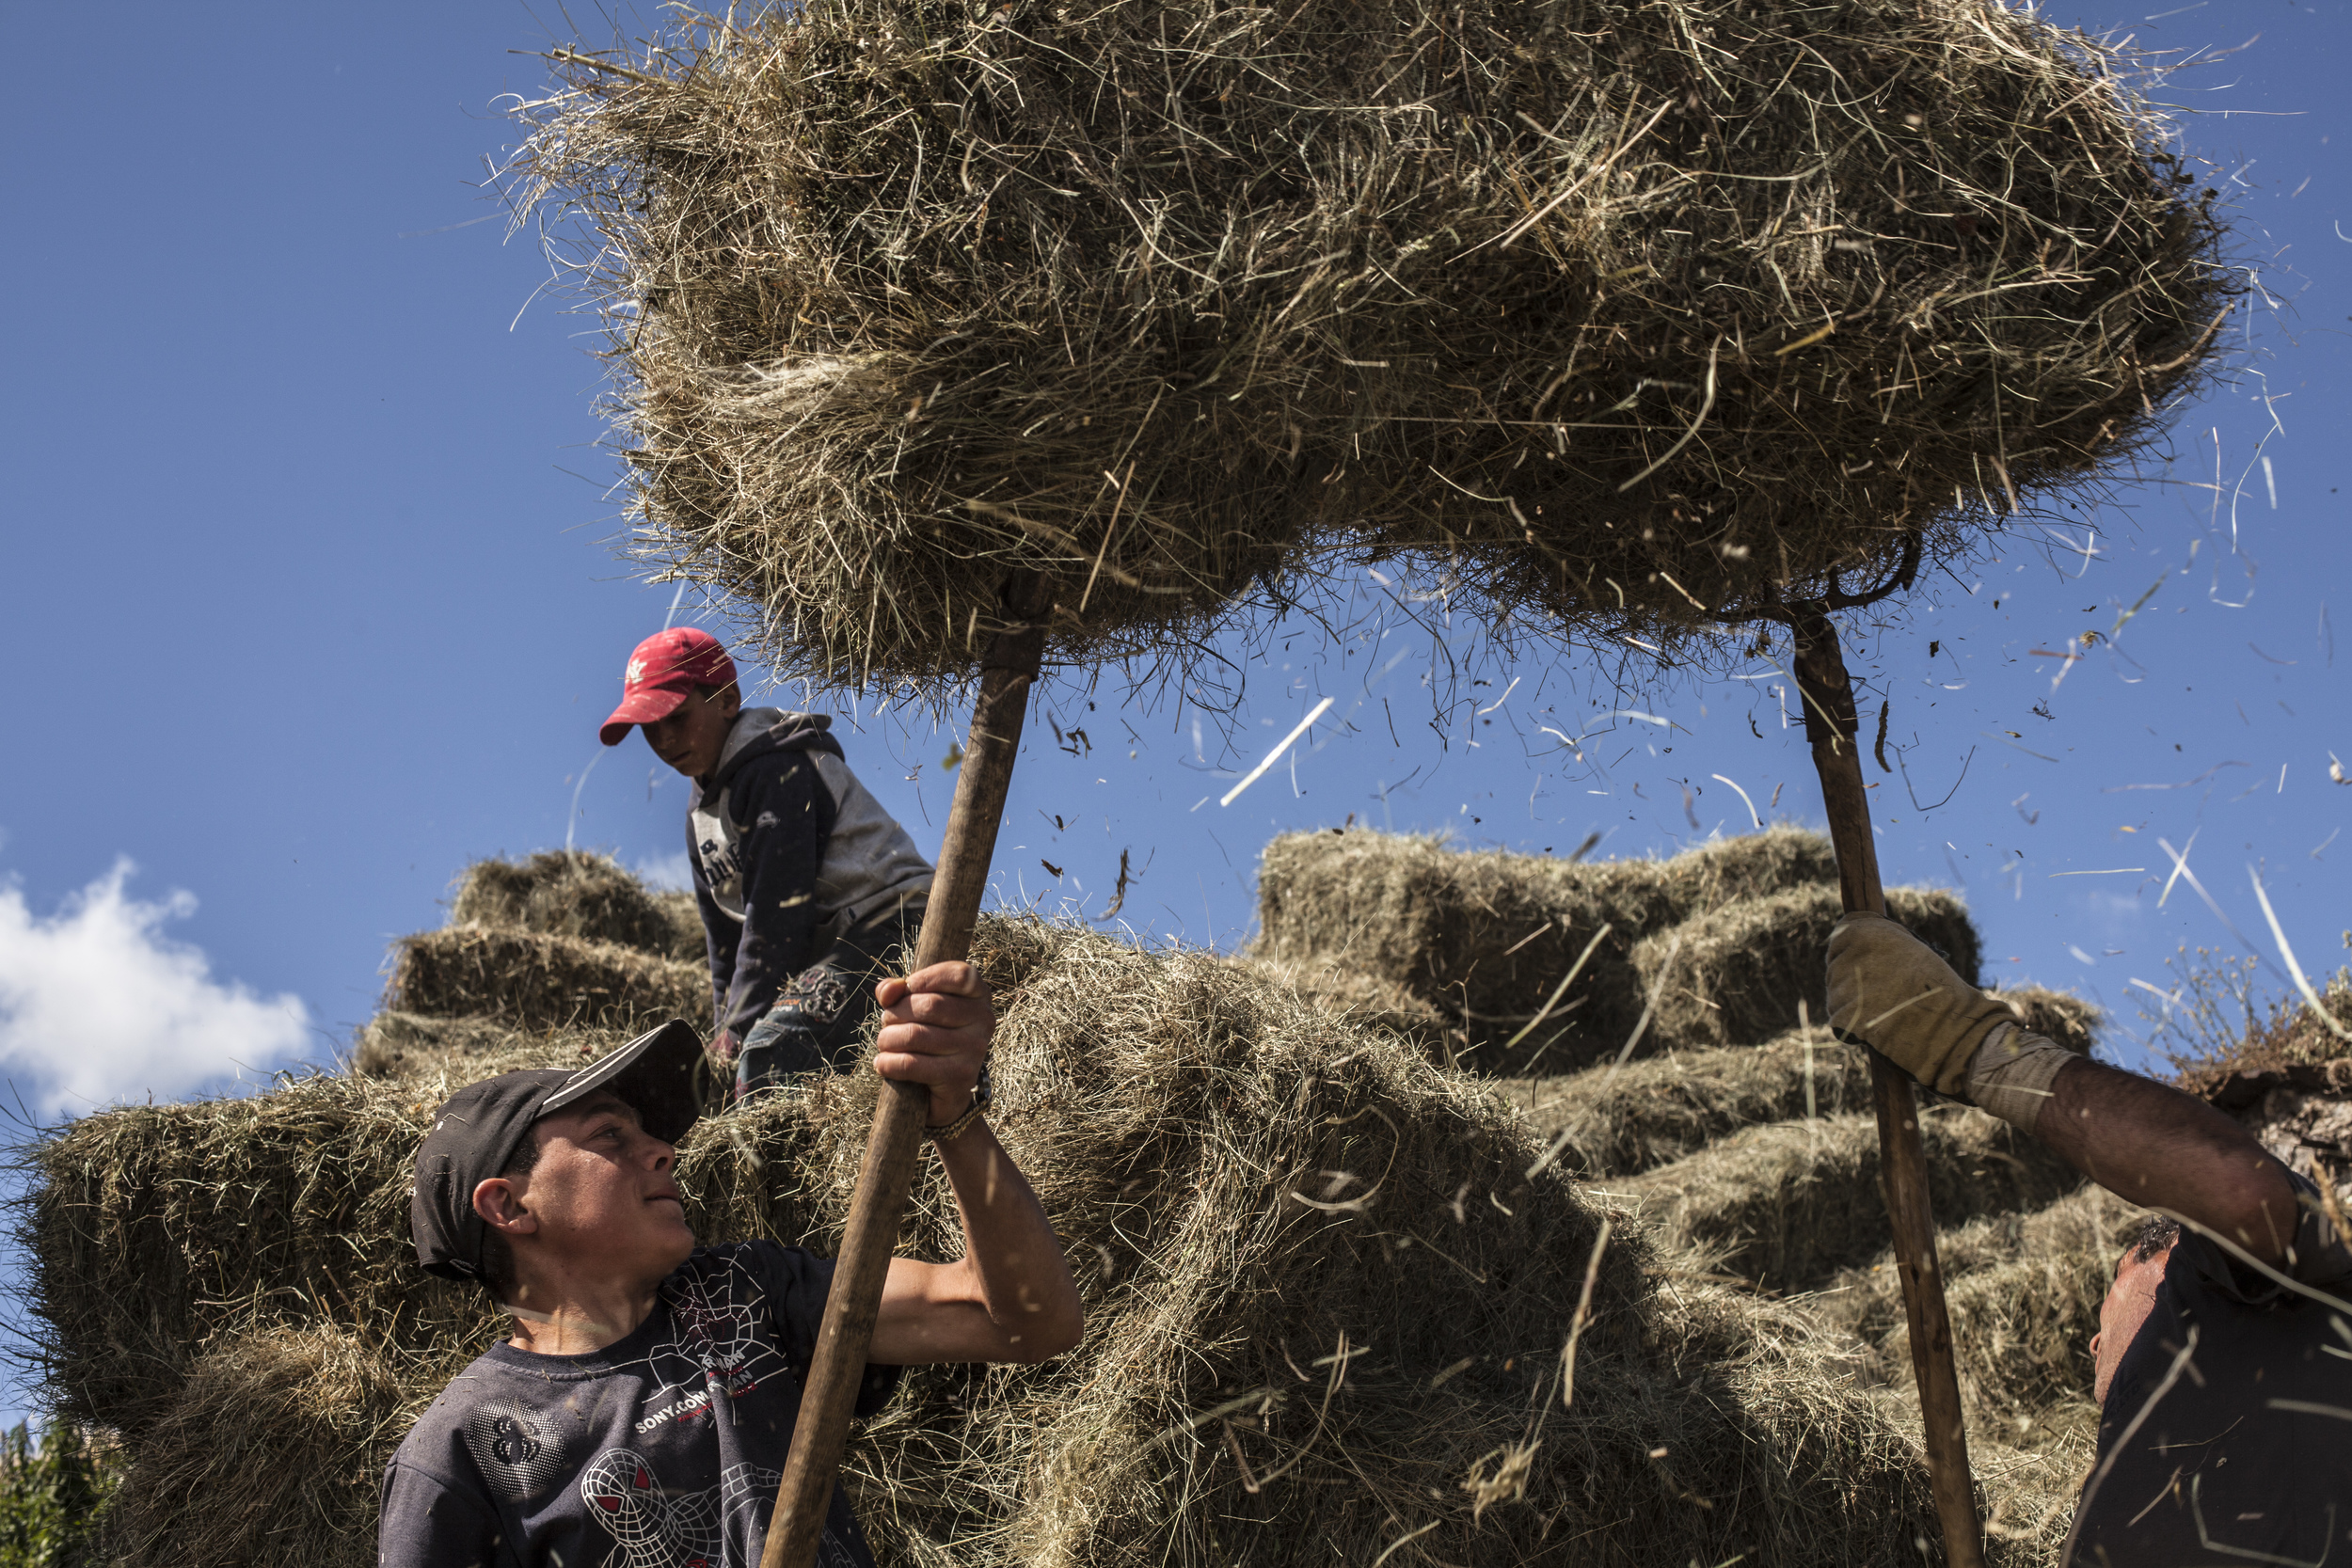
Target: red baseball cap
column 665, row 667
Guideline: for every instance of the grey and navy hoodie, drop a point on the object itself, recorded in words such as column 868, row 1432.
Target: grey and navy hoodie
column 789, row 851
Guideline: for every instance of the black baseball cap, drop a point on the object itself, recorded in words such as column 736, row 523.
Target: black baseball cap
column 479, row 1129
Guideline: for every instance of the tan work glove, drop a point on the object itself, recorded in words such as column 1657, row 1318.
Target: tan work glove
column 1890, row 991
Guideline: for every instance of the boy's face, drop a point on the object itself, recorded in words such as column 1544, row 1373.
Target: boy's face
column 691, row 739
column 602, row 1197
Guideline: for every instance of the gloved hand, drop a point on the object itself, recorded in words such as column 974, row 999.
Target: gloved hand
column 1890, row 991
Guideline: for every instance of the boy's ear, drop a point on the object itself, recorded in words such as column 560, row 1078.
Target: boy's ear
column 494, row 1200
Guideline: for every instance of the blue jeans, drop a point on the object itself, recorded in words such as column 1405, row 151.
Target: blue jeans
column 819, row 1023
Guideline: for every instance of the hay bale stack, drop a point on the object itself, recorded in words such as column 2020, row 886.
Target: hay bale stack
column 688, row 944
column 159, row 1231
column 1656, row 1109
column 2025, row 1295
column 1245, row 262
column 430, row 1053
column 271, row 1452
column 565, row 892
column 1247, row 1183
column 1786, row 1205
column 1244, row 1179
column 1749, row 970
column 1484, row 936
column 536, row 981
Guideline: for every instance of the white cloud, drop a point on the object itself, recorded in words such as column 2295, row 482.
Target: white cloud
column 666, row 873
column 99, row 1005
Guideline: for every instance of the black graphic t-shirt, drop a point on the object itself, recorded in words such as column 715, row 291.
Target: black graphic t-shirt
column 661, row 1450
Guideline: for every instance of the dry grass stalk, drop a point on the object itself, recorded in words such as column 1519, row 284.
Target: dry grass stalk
column 1636, row 314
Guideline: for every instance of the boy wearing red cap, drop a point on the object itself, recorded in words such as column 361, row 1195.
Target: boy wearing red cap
column 806, row 885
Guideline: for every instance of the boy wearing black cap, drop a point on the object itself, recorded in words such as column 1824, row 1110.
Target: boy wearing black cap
column 806, row 885
column 640, row 1415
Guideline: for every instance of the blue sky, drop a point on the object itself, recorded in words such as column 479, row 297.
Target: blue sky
column 310, row 596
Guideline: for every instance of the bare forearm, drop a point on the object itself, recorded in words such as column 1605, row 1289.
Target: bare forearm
column 1014, row 1260
column 2150, row 1144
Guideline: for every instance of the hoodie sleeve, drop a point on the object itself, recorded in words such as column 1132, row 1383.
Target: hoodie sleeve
column 787, row 815
column 718, row 933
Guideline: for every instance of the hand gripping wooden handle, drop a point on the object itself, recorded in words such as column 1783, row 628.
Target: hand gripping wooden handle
column 896, row 1143
column 1831, row 725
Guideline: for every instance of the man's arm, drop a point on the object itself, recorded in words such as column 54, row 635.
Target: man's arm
column 1010, row 1297
column 2146, row 1142
column 2150, row 1144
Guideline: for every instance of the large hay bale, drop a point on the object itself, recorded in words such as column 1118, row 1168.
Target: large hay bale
column 2023, row 1291
column 1243, row 1177
column 1618, row 1120
column 157, row 1230
column 565, row 892
column 1786, row 1205
column 1749, row 970
column 271, row 1453
column 1484, row 936
column 1160, row 300
column 441, row 1054
column 534, row 980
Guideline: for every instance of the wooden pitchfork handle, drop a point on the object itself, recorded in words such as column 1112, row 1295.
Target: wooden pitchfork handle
column 895, row 1146
column 1831, row 725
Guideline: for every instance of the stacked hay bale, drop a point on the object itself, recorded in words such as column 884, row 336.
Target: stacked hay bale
column 567, row 941
column 1739, row 1129
column 1718, row 945
column 1328, row 1293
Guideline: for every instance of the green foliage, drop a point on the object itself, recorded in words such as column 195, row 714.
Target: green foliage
column 50, row 1494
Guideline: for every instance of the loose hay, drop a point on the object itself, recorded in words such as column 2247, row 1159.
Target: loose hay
column 1743, row 972
column 1245, row 1181
column 1657, row 311
column 1785, row 1206
column 569, row 893
column 534, row 980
